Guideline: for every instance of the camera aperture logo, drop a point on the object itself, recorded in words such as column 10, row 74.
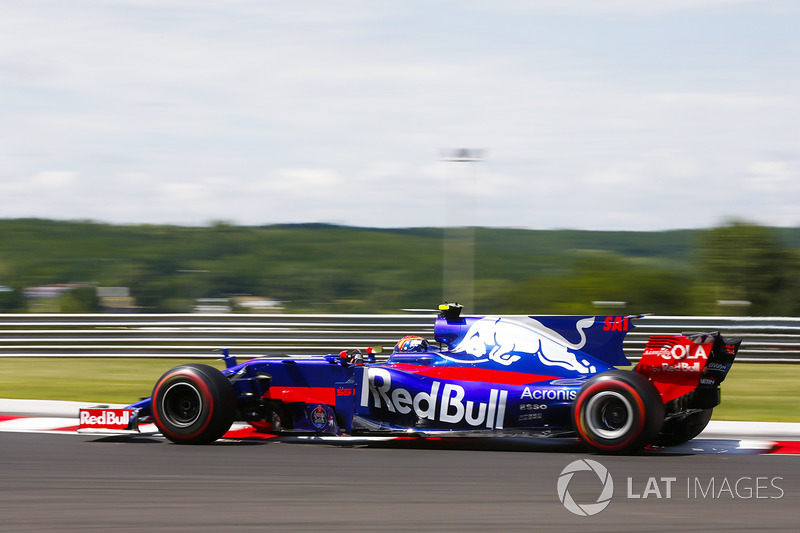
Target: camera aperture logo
column 640, row 488
column 585, row 509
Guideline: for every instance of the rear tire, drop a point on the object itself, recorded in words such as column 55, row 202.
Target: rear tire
column 618, row 412
column 677, row 432
column 193, row 404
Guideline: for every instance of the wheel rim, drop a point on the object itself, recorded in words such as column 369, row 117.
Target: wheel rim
column 182, row 404
column 610, row 415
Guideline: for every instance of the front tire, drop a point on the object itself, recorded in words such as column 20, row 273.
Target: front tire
column 618, row 412
column 193, row 404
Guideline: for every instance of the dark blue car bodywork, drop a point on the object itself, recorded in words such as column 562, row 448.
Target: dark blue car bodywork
column 489, row 375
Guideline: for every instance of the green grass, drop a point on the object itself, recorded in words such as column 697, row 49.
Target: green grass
column 759, row 392
column 91, row 380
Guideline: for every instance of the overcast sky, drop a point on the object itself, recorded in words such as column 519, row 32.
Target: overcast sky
column 592, row 114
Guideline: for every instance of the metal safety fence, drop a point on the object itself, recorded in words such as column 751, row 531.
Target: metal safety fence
column 765, row 339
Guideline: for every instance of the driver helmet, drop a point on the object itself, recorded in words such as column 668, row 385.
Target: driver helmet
column 411, row 344
column 352, row 357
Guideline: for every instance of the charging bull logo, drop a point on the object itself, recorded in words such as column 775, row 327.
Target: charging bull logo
column 502, row 341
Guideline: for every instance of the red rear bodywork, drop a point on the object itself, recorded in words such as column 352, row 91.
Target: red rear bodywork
column 684, row 365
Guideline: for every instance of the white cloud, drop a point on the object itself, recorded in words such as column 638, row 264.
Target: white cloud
column 302, row 182
column 774, row 177
column 724, row 100
column 40, row 184
column 629, row 6
column 184, row 192
column 178, row 111
column 54, row 179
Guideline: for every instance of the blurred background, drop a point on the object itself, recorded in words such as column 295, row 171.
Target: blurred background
column 540, row 157
column 80, row 267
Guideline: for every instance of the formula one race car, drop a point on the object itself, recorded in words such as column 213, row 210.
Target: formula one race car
column 547, row 376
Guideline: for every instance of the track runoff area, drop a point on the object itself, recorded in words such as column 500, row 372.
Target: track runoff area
column 754, row 438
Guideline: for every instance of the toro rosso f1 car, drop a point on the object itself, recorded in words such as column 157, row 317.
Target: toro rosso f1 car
column 546, row 376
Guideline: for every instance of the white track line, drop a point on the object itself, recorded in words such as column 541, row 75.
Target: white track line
column 46, row 416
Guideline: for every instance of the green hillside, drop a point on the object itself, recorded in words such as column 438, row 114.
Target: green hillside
column 325, row 268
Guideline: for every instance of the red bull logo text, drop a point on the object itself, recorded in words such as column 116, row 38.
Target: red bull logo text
column 445, row 401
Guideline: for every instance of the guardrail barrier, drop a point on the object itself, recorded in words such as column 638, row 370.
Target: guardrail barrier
column 766, row 339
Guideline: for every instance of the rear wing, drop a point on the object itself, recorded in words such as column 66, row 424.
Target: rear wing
column 689, row 365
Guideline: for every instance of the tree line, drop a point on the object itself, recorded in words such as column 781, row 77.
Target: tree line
column 738, row 268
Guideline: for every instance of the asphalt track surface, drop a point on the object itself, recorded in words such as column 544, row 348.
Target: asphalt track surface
column 52, row 482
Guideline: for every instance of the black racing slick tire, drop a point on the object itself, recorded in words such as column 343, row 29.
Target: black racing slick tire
column 618, row 412
column 678, row 431
column 193, row 404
